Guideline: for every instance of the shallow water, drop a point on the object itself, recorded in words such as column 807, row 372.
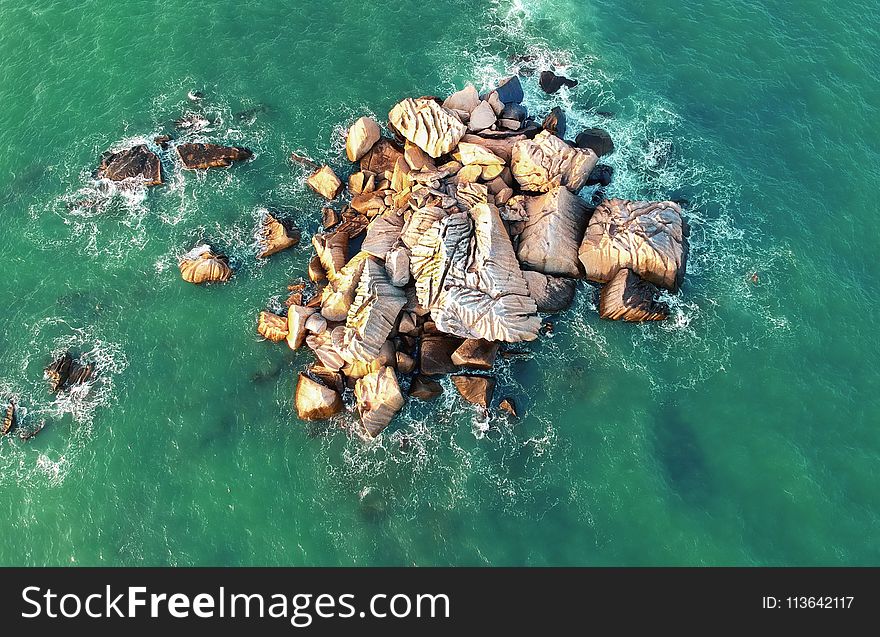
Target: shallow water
column 741, row 431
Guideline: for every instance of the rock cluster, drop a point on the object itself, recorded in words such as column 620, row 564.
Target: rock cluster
column 65, row 372
column 452, row 238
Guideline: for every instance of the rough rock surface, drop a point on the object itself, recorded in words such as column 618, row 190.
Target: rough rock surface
column 551, row 83
column 362, row 136
column 476, row 390
column 467, row 274
column 338, row 296
column 628, row 297
column 428, row 125
column 555, row 122
column 476, row 353
column 196, row 156
column 272, row 327
column 275, row 236
column 332, row 250
column 397, row 266
column 467, row 99
column 545, row 162
column 507, row 405
column 382, row 157
column 596, row 139
column 650, row 238
column 425, row 388
column 378, row 400
column 325, row 182
column 8, row 423
column 138, row 162
column 296, row 325
column 314, row 400
column 436, row 354
column 553, row 232
column 552, row 294
column 201, row 265
column 382, row 234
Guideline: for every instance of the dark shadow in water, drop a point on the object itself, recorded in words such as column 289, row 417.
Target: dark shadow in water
column 678, row 451
column 221, row 433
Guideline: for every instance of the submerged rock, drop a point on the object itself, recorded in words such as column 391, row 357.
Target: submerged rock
column 202, row 265
column 650, row 238
column 428, row 125
column 628, row 297
column 477, row 390
column 425, row 388
column 553, row 232
column 272, row 327
column 552, row 294
column 545, row 162
column 551, row 83
column 476, row 353
column 325, row 182
column 361, row 138
column 9, row 419
column 601, row 175
column 314, row 400
column 275, row 236
column 138, row 162
column 378, row 400
column 596, row 139
column 197, row 156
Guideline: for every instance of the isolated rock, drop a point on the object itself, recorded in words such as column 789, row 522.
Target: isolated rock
column 361, row 138
column 325, row 182
column 476, row 390
column 138, row 162
column 553, row 232
column 597, row 140
column 545, row 162
column 627, row 297
column 647, row 237
column 314, row 400
column 555, row 122
column 9, row 419
column 508, row 406
column 275, row 236
column 197, row 156
column 476, row 353
column 425, row 388
column 510, row 90
column 378, row 400
column 482, row 117
column 58, row 372
column 467, row 99
column 202, row 265
column 272, row 327
column 467, row 274
column 552, row 294
column 428, row 125
column 297, row 316
column 551, row 83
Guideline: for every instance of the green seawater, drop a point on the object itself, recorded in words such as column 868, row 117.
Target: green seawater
column 743, row 431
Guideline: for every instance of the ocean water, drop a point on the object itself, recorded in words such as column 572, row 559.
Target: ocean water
column 743, row 431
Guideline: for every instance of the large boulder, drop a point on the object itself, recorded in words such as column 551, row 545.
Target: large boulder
column 510, row 90
column 325, row 182
column 467, row 275
column 482, row 117
column 337, row 297
column 378, row 398
column 502, row 147
column 628, row 297
column 382, row 157
column 331, row 250
column 297, row 315
column 324, row 348
column 552, row 294
column 425, row 388
column 202, row 265
column 275, row 236
column 314, row 400
column 476, row 353
column 555, row 122
column 9, row 419
column 197, row 156
column 428, row 125
column 435, row 355
column 596, row 139
column 361, row 138
column 382, row 234
column 553, row 232
column 471, row 153
column 649, row 238
column 466, row 100
column 272, row 327
column 477, row 390
column 551, row 83
column 138, row 162
column 545, row 162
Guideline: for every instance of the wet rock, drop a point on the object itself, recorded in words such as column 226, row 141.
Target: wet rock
column 138, row 163
column 467, row 275
column 80, row 374
column 316, row 270
column 467, row 99
column 202, row 265
column 197, row 156
column 482, row 117
column 296, row 325
column 516, row 112
column 428, row 125
column 162, row 141
column 329, row 217
column 553, row 232
column 555, row 122
column 361, row 138
column 28, row 434
column 477, row 390
column 649, row 238
column 325, row 182
column 510, row 90
column 378, row 400
column 551, row 83
column 601, row 175
column 58, row 372
column 192, row 123
column 382, row 157
column 435, row 356
column 545, row 162
column 509, row 407
column 597, row 140
column 476, row 353
column 404, row 362
column 425, row 388
column 272, row 327
column 627, row 297
column 552, row 294
column 275, row 236
column 314, row 400
column 302, row 160
column 9, row 419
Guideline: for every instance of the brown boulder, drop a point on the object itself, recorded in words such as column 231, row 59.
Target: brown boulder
column 9, row 420
column 272, row 327
column 138, row 162
column 325, row 182
column 553, row 232
column 428, row 125
column 436, row 354
column 201, row 156
column 477, row 390
column 627, row 297
column 362, row 136
column 425, row 388
column 552, row 294
column 297, row 316
column 382, row 157
column 545, row 162
column 378, row 400
column 201, row 265
column 275, row 236
column 507, row 405
column 314, row 400
column 476, row 353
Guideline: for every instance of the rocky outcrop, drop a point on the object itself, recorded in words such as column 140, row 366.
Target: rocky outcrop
column 361, row 138
column 272, row 327
column 555, row 123
column 465, row 100
column 338, row 296
column 477, row 390
column 197, row 156
column 382, row 234
column 627, row 297
column 551, row 83
column 314, row 400
column 325, row 182
column 467, row 274
column 649, row 238
column 476, row 353
column 275, row 236
column 378, row 398
column 202, row 265
column 296, row 324
column 545, row 162
column 509, row 407
column 9, row 420
column 65, row 372
column 332, row 251
column 552, row 294
column 428, row 125
column 136, row 163
column 553, row 232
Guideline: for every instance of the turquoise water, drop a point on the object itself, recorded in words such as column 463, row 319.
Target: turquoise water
column 742, row 431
